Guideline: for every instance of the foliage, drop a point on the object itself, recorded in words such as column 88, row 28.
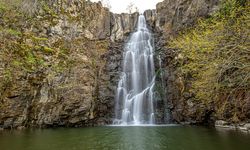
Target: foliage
column 216, row 59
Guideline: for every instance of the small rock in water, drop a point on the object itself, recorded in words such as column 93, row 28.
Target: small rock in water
column 247, row 126
column 221, row 123
column 21, row 128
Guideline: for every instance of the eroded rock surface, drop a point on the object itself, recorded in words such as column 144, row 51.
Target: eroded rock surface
column 83, row 93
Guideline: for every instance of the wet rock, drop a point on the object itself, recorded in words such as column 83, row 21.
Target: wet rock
column 74, row 120
column 8, row 123
column 247, row 126
column 21, row 128
column 221, row 123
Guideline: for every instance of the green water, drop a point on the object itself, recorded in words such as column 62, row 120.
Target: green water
column 125, row 138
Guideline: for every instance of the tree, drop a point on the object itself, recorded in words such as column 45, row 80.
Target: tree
column 106, row 3
column 132, row 8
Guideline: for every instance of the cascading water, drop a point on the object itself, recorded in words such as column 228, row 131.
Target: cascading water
column 134, row 97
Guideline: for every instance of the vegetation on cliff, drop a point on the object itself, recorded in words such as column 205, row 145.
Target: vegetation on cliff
column 25, row 49
column 214, row 59
column 43, row 56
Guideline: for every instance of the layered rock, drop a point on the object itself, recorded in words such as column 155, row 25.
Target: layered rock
column 83, row 93
column 176, row 15
column 169, row 18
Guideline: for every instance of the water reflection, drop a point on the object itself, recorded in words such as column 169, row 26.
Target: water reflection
column 139, row 138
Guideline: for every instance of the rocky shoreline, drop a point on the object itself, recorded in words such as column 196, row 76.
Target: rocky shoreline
column 244, row 127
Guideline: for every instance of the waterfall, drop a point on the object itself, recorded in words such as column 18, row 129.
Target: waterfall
column 135, row 93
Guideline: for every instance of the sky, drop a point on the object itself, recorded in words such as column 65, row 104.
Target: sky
column 119, row 6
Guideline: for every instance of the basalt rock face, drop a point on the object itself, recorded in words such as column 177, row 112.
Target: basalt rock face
column 176, row 15
column 169, row 18
column 122, row 25
column 80, row 94
column 105, row 24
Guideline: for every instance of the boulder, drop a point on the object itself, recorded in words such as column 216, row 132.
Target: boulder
column 221, row 123
column 247, row 126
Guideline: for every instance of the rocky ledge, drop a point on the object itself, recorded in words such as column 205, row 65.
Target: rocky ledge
column 245, row 127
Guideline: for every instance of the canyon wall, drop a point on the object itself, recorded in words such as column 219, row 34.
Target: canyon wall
column 62, row 60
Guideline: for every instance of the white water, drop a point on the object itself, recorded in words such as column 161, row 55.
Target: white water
column 135, row 96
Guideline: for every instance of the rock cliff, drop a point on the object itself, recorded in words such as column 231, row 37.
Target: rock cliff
column 62, row 60
column 167, row 21
column 70, row 66
column 176, row 19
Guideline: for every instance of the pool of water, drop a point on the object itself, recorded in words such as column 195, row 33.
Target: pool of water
column 125, row 138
